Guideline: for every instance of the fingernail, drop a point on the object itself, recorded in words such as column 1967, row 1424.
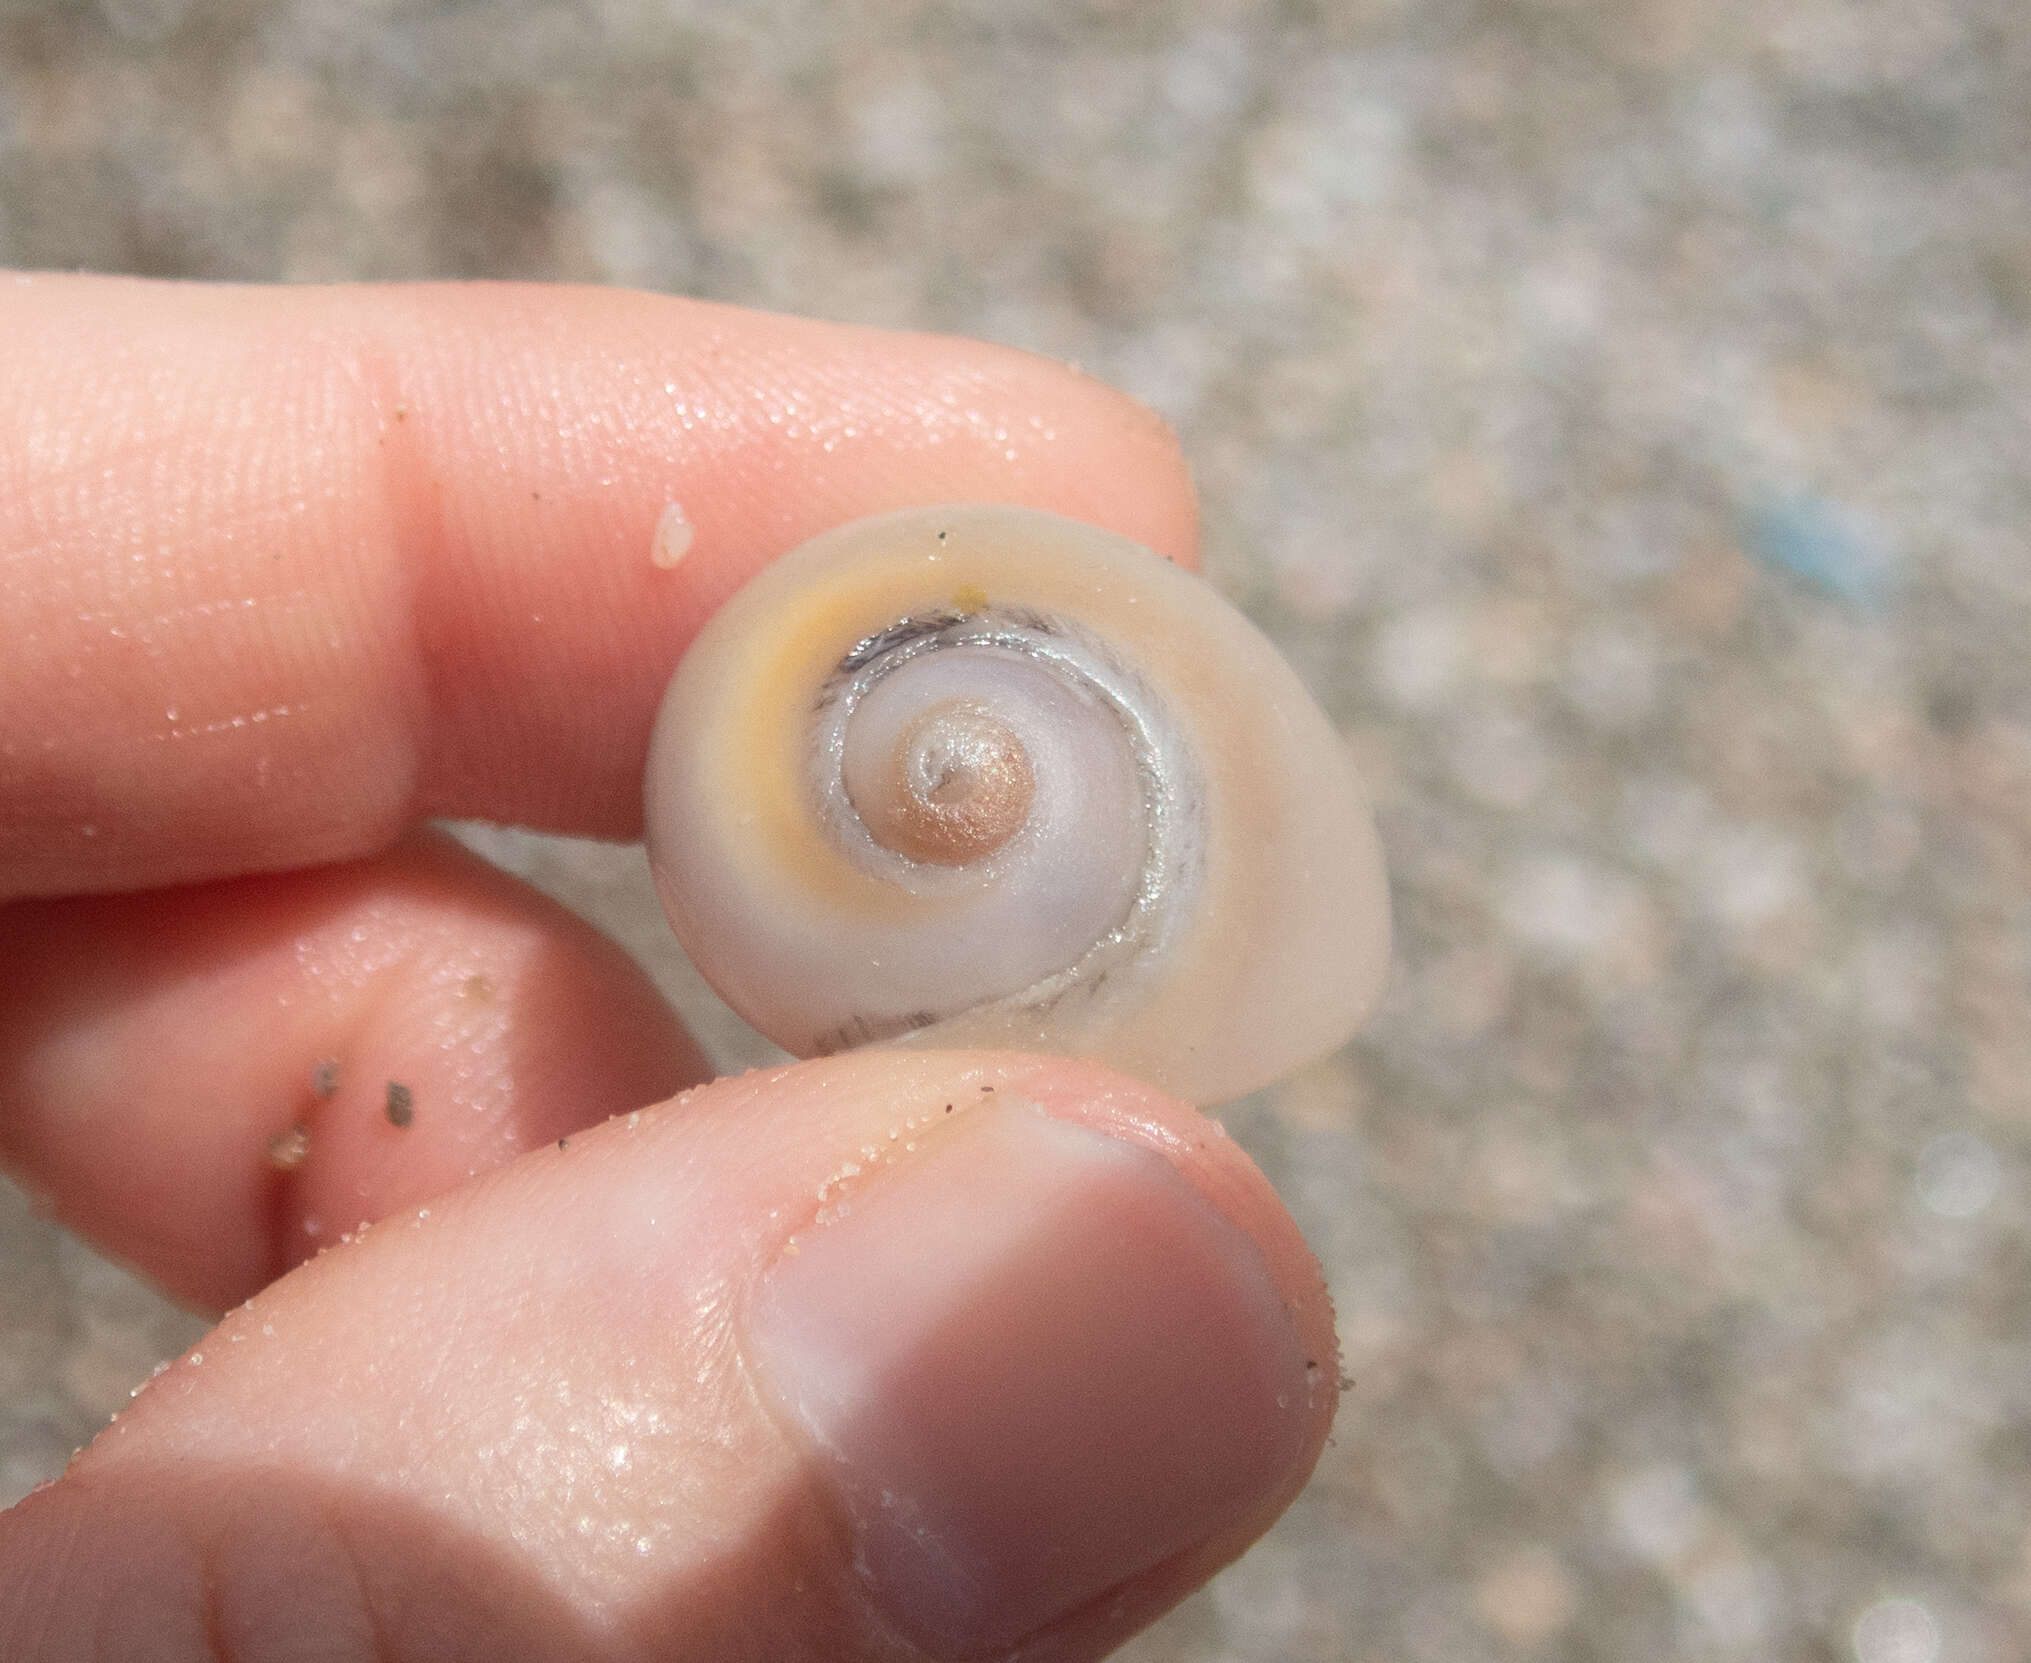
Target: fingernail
column 1034, row 1361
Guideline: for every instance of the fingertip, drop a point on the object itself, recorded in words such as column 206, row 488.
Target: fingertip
column 321, row 562
column 1126, row 468
column 213, row 1083
column 1045, row 1363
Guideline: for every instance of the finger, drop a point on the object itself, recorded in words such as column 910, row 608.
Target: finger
column 811, row 1368
column 283, row 571
column 215, row 1082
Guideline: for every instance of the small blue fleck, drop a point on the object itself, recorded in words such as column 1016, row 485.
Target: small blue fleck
column 1814, row 540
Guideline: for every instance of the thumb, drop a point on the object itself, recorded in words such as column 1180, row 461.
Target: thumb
column 891, row 1356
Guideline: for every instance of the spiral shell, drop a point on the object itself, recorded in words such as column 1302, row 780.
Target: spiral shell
column 980, row 775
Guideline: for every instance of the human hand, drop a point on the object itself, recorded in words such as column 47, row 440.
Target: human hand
column 284, row 574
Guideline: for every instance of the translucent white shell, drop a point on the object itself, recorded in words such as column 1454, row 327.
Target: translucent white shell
column 979, row 775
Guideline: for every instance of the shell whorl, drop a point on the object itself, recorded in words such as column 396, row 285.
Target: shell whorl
column 983, row 775
column 1005, row 764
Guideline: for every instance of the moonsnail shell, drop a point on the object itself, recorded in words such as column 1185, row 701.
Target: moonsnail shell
column 980, row 775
